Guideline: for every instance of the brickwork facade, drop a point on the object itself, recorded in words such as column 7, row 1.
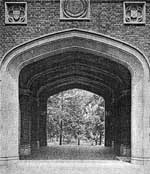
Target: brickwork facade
column 44, row 17
column 53, row 70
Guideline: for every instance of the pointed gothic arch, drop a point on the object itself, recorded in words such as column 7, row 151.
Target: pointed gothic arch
column 75, row 40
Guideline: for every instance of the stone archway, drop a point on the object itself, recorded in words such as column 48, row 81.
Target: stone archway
column 89, row 42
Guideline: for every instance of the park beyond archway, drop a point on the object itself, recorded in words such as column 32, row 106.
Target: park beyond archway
column 50, row 47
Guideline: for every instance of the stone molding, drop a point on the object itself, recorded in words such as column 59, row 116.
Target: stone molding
column 3, row 160
column 21, row 50
column 125, row 93
column 75, row 9
column 25, row 92
column 28, row 93
column 95, row 43
column 134, row 12
column 15, row 12
column 69, row 82
column 140, row 160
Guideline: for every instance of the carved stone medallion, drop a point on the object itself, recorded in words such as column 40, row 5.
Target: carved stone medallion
column 134, row 12
column 74, row 9
column 15, row 13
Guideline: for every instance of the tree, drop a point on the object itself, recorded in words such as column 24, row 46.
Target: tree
column 75, row 114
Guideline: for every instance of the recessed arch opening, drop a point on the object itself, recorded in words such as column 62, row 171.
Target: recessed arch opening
column 76, row 126
column 77, row 69
column 87, row 42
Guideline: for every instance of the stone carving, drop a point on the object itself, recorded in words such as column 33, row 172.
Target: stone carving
column 75, row 9
column 134, row 12
column 15, row 12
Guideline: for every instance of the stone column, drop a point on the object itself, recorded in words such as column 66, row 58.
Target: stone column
column 25, row 115
column 107, row 129
column 108, row 124
column 140, row 112
column 124, row 126
column 125, row 114
column 34, row 124
column 116, row 126
column 9, row 116
column 42, row 122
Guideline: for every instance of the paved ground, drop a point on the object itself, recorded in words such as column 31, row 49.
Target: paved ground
column 87, row 166
column 68, row 152
column 73, row 167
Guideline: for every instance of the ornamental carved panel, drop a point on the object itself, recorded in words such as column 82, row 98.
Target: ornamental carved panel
column 134, row 12
column 15, row 13
column 74, row 9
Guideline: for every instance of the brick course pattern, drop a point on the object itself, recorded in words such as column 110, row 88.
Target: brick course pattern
column 44, row 18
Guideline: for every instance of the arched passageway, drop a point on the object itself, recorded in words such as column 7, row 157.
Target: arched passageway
column 66, row 71
column 66, row 60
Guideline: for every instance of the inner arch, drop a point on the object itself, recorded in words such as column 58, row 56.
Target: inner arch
column 77, row 69
column 74, row 40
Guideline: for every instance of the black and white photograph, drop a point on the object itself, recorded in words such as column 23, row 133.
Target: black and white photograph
column 74, row 86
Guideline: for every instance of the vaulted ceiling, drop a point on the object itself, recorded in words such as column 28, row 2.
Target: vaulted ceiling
column 75, row 69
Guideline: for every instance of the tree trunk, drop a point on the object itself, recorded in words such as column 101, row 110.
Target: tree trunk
column 78, row 141
column 100, row 139
column 57, row 137
column 96, row 141
column 60, row 140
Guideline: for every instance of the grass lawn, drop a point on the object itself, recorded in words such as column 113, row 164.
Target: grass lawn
column 72, row 152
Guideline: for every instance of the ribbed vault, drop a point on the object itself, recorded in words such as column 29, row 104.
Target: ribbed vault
column 68, row 59
column 75, row 69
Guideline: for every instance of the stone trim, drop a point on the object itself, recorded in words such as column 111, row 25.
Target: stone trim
column 69, row 82
column 27, row 92
column 9, row 158
column 123, row 93
column 75, row 10
column 92, row 1
column 140, row 160
column 21, row 49
column 134, row 12
column 95, row 43
column 15, row 13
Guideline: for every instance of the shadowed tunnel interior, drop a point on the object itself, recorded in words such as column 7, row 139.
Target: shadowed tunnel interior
column 68, row 70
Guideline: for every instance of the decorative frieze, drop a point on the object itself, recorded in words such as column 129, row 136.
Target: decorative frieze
column 75, row 9
column 134, row 12
column 15, row 13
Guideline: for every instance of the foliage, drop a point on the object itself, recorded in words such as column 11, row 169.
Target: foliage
column 75, row 114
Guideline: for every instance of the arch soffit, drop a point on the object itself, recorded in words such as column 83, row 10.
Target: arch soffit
column 84, row 66
column 95, row 43
column 77, row 76
column 101, row 89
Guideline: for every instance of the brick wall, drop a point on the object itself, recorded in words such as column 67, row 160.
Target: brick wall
column 43, row 18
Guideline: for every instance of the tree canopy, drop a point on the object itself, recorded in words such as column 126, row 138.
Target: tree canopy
column 75, row 114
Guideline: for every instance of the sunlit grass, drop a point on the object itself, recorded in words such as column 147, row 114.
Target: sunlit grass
column 73, row 152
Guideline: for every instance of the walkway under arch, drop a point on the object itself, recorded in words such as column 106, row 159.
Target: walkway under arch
column 49, row 47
